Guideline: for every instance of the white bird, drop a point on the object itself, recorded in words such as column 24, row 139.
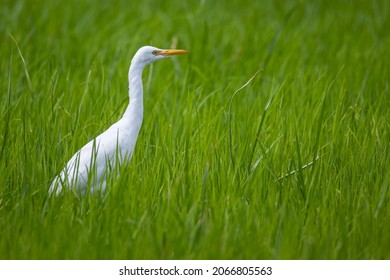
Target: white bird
column 92, row 163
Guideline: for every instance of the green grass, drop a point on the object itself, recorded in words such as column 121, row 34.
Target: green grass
column 203, row 182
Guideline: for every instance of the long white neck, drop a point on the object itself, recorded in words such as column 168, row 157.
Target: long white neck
column 134, row 113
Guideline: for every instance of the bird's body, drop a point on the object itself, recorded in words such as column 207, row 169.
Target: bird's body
column 92, row 163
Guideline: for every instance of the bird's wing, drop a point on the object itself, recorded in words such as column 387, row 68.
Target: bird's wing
column 92, row 156
column 103, row 151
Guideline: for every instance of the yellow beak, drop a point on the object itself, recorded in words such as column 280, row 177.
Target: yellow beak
column 171, row 52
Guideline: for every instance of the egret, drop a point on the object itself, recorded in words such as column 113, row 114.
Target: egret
column 92, row 163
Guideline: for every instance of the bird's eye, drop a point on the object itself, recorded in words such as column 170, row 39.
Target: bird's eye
column 155, row 52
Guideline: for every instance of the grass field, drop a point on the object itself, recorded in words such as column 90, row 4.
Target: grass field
column 295, row 165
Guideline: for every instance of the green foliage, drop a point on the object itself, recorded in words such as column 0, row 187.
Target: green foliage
column 295, row 165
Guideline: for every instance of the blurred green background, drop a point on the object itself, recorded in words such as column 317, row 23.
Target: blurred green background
column 206, row 180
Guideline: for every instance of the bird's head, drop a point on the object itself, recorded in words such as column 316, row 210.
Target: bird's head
column 148, row 54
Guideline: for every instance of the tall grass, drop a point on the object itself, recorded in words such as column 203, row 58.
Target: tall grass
column 294, row 165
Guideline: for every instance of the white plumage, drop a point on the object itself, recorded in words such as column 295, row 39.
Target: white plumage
column 92, row 163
